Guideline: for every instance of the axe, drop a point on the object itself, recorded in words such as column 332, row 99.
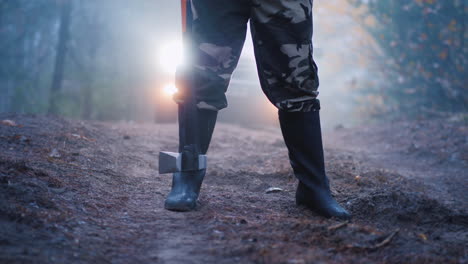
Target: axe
column 189, row 157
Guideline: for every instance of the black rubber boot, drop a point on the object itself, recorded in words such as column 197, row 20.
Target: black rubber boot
column 186, row 185
column 303, row 137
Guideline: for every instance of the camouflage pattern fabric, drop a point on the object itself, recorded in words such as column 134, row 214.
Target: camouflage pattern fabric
column 281, row 32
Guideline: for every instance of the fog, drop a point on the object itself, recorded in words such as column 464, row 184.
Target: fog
column 341, row 48
column 118, row 60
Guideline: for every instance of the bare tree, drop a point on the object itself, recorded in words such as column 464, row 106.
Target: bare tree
column 63, row 36
column 87, row 90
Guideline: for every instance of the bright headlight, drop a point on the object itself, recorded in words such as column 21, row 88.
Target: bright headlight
column 170, row 56
column 170, row 89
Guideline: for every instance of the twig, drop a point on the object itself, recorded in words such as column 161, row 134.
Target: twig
column 384, row 242
column 338, row 226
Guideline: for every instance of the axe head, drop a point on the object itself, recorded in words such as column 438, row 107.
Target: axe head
column 171, row 162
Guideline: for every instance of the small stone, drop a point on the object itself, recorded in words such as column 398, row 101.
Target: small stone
column 218, row 234
column 339, row 127
column 126, row 137
column 24, row 139
column 54, row 153
column 252, row 239
column 273, row 190
column 455, row 156
column 57, row 190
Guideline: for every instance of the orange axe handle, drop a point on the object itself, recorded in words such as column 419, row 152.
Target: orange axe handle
column 184, row 4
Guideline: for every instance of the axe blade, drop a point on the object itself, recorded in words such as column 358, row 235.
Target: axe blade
column 171, row 162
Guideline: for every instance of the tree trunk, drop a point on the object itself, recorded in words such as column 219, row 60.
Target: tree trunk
column 87, row 90
column 63, row 36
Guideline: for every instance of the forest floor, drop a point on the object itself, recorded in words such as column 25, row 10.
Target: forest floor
column 89, row 192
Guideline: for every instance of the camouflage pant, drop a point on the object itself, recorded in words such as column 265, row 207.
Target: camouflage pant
column 282, row 36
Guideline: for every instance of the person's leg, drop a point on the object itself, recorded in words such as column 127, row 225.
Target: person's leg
column 219, row 29
column 218, row 36
column 282, row 34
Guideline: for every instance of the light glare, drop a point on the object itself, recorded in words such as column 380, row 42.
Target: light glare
column 170, row 89
column 171, row 56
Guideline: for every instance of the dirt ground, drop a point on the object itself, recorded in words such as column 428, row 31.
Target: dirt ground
column 89, row 192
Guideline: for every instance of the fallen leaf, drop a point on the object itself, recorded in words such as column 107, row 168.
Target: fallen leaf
column 82, row 137
column 8, row 122
column 273, row 190
column 76, row 135
column 422, row 236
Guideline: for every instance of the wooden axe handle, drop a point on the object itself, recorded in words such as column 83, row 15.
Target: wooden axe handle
column 183, row 4
column 188, row 121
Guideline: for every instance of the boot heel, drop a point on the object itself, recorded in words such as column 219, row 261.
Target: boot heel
column 300, row 199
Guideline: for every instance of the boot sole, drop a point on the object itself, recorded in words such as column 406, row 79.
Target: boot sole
column 180, row 208
column 322, row 213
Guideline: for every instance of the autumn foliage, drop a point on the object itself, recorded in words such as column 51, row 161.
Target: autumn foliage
column 423, row 53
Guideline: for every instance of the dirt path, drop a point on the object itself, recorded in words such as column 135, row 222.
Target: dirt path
column 434, row 154
column 86, row 192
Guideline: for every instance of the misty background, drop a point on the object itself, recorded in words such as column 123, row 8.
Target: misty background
column 115, row 60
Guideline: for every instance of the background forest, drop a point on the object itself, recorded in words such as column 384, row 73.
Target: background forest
column 114, row 59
